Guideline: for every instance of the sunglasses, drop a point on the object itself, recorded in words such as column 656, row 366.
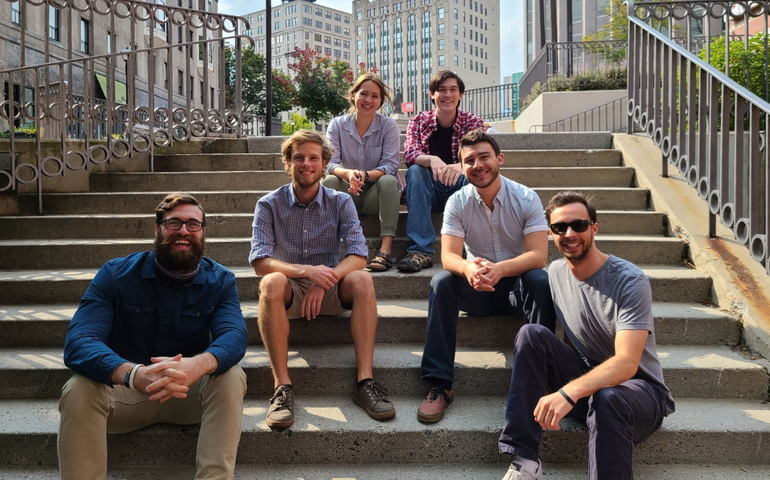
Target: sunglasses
column 578, row 226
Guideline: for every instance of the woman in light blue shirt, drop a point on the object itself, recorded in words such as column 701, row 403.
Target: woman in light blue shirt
column 365, row 161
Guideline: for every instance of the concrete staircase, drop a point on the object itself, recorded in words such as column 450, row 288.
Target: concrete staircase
column 47, row 262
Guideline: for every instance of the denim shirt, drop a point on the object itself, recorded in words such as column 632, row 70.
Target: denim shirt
column 128, row 315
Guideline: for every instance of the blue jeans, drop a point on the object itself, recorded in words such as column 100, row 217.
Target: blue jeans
column 617, row 417
column 528, row 293
column 423, row 197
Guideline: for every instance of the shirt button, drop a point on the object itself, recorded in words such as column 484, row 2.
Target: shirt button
column 138, row 309
column 198, row 314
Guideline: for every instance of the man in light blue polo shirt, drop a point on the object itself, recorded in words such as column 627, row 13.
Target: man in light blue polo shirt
column 502, row 226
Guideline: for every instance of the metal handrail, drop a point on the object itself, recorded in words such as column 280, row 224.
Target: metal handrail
column 706, row 124
column 588, row 121
column 65, row 103
column 498, row 102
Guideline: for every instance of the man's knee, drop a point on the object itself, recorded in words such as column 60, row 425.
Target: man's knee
column 418, row 176
column 273, row 287
column 444, row 283
column 609, row 406
column 359, row 285
column 231, row 383
column 536, row 281
column 533, row 336
column 82, row 396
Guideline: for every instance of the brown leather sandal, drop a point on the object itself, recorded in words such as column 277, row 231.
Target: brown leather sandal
column 382, row 262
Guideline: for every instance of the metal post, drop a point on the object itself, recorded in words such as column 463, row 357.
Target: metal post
column 268, row 69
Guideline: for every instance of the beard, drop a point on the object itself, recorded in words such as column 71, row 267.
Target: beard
column 492, row 177
column 578, row 256
column 304, row 182
column 179, row 260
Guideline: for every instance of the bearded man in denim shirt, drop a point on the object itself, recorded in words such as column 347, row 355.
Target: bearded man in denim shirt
column 156, row 339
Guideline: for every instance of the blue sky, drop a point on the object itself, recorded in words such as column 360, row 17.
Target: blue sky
column 511, row 26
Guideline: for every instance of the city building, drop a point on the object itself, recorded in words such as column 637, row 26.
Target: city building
column 408, row 41
column 302, row 24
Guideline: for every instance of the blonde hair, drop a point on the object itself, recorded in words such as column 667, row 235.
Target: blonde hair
column 298, row 138
column 368, row 77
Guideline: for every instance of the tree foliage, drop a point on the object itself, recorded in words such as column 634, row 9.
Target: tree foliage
column 300, row 123
column 253, row 84
column 321, row 83
column 742, row 61
column 617, row 27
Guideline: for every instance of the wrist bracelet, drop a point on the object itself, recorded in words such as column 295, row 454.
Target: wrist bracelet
column 566, row 397
column 130, row 376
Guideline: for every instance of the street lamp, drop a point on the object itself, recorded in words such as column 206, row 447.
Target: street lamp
column 292, row 126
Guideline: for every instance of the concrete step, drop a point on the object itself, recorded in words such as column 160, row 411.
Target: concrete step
column 691, row 371
column 331, row 430
column 135, row 225
column 533, row 177
column 228, row 201
column 273, row 161
column 89, row 253
column 400, row 321
column 395, row 471
column 18, row 287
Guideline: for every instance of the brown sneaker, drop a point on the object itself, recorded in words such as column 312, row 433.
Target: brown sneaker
column 432, row 408
column 373, row 398
column 414, row 262
column 281, row 411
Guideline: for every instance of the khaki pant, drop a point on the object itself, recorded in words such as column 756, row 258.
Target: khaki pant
column 89, row 410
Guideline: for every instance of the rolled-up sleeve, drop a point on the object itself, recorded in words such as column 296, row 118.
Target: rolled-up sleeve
column 391, row 147
column 534, row 219
column 333, row 137
column 349, row 228
column 263, row 233
column 228, row 328
column 85, row 347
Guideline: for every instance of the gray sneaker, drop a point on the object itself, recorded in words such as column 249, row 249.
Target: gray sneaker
column 280, row 414
column 414, row 262
column 517, row 472
column 373, row 398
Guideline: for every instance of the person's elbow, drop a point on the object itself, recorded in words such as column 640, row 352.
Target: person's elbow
column 260, row 266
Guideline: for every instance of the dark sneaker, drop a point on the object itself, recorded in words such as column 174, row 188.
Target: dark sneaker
column 281, row 411
column 373, row 398
column 414, row 262
column 433, row 407
column 518, row 472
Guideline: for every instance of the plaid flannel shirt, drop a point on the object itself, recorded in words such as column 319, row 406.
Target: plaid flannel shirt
column 422, row 126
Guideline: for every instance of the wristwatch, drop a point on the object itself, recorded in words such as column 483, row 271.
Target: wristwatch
column 366, row 176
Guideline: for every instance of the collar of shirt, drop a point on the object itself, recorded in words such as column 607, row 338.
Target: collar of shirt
column 148, row 270
column 293, row 197
column 350, row 125
column 500, row 198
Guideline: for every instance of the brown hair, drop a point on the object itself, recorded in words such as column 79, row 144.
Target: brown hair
column 298, row 138
column 172, row 201
column 441, row 77
column 368, row 77
column 567, row 197
column 475, row 137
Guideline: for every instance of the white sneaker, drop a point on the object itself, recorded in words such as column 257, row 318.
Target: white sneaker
column 517, row 472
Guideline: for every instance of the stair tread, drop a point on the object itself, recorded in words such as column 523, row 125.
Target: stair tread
column 337, row 413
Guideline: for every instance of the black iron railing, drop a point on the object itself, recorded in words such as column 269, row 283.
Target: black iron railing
column 492, row 104
column 610, row 117
column 713, row 129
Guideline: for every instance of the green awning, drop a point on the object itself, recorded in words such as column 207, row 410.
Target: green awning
column 120, row 89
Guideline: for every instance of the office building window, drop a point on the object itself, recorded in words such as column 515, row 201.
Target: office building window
column 85, row 43
column 15, row 13
column 53, row 24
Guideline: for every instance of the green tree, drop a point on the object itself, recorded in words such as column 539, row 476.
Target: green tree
column 617, row 27
column 742, row 61
column 321, row 83
column 253, row 85
column 300, row 123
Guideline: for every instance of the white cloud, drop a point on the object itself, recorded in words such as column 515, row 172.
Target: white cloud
column 511, row 26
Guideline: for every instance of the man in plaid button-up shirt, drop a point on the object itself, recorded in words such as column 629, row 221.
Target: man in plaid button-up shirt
column 295, row 247
column 433, row 172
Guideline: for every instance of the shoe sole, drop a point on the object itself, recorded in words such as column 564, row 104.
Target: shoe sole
column 375, row 415
column 426, row 418
column 279, row 424
column 407, row 269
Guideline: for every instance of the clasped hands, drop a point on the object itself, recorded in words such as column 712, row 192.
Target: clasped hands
column 167, row 377
column 446, row 174
column 356, row 180
column 323, row 279
column 483, row 275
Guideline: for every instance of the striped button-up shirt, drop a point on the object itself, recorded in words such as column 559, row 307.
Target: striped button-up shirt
column 291, row 232
column 424, row 124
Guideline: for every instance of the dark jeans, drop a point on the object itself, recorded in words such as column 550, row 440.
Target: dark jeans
column 528, row 293
column 617, row 417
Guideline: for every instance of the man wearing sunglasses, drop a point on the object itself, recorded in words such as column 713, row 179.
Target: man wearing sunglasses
column 609, row 375
column 156, row 339
column 501, row 226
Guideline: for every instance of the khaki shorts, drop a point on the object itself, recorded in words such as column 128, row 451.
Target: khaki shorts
column 330, row 305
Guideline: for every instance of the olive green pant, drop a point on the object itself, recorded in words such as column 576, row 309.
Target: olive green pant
column 89, row 410
column 380, row 198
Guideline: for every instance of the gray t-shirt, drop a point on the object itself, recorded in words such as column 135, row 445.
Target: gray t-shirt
column 616, row 297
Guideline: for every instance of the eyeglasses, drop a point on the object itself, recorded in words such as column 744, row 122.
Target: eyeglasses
column 176, row 224
column 578, row 226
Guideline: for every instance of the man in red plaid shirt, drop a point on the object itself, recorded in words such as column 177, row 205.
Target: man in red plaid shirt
column 434, row 172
